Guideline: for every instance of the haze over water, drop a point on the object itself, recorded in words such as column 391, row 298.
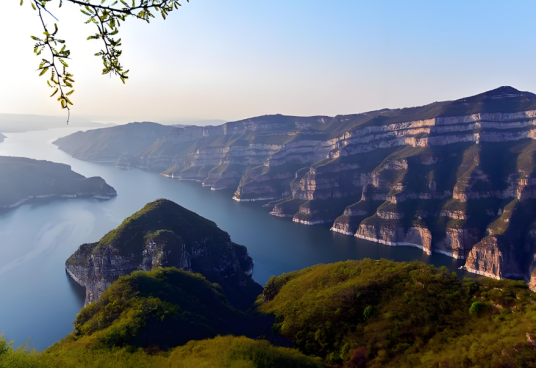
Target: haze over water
column 39, row 301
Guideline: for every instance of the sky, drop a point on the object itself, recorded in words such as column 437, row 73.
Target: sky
column 234, row 59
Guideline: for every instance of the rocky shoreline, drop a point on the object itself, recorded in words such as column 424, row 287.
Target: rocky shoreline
column 64, row 196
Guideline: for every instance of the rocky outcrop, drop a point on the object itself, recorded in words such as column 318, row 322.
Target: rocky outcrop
column 25, row 179
column 393, row 233
column 162, row 234
column 494, row 257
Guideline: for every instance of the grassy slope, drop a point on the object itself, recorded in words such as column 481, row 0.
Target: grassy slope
column 220, row 352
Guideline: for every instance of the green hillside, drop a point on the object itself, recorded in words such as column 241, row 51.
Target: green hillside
column 388, row 314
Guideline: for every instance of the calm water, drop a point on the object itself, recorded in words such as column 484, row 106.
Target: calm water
column 39, row 301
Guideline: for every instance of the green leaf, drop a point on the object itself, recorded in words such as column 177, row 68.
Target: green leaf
column 56, row 91
column 43, row 71
column 70, row 93
column 33, row 6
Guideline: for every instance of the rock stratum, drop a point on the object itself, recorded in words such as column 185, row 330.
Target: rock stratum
column 164, row 234
column 24, row 179
column 453, row 177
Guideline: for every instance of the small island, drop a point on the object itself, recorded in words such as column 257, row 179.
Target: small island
column 2, row 137
column 165, row 234
column 24, row 179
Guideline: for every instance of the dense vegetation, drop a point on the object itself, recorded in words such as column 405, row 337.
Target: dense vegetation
column 220, row 352
column 348, row 314
column 386, row 314
column 161, row 308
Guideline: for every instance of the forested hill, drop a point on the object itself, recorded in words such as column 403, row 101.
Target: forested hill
column 348, row 314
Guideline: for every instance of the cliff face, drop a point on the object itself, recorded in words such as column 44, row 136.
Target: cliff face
column 162, row 234
column 25, row 179
column 436, row 177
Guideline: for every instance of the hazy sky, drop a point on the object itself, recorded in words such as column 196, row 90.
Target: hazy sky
column 232, row 59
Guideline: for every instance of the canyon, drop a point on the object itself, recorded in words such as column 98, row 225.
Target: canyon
column 453, row 177
column 25, row 179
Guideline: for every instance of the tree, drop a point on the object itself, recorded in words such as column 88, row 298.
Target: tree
column 107, row 16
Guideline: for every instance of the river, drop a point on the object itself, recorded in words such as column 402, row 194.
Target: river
column 39, row 302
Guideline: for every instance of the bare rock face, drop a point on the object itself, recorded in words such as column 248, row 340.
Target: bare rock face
column 532, row 281
column 457, row 243
column 392, row 233
column 494, row 257
column 162, row 234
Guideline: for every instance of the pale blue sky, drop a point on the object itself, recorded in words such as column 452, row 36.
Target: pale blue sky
column 240, row 58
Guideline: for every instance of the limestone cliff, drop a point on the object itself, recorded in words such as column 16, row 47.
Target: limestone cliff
column 24, row 179
column 436, row 176
column 162, row 234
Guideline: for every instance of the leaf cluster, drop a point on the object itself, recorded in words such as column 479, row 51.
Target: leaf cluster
column 107, row 16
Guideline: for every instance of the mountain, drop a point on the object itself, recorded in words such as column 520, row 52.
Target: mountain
column 2, row 137
column 450, row 177
column 24, row 179
column 164, row 234
column 108, row 144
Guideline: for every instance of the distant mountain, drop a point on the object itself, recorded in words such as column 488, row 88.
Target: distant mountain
column 453, row 177
column 16, row 123
column 2, row 137
column 164, row 234
column 108, row 144
column 23, row 179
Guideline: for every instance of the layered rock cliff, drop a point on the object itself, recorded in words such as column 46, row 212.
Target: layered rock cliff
column 162, row 234
column 24, row 179
column 436, row 176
